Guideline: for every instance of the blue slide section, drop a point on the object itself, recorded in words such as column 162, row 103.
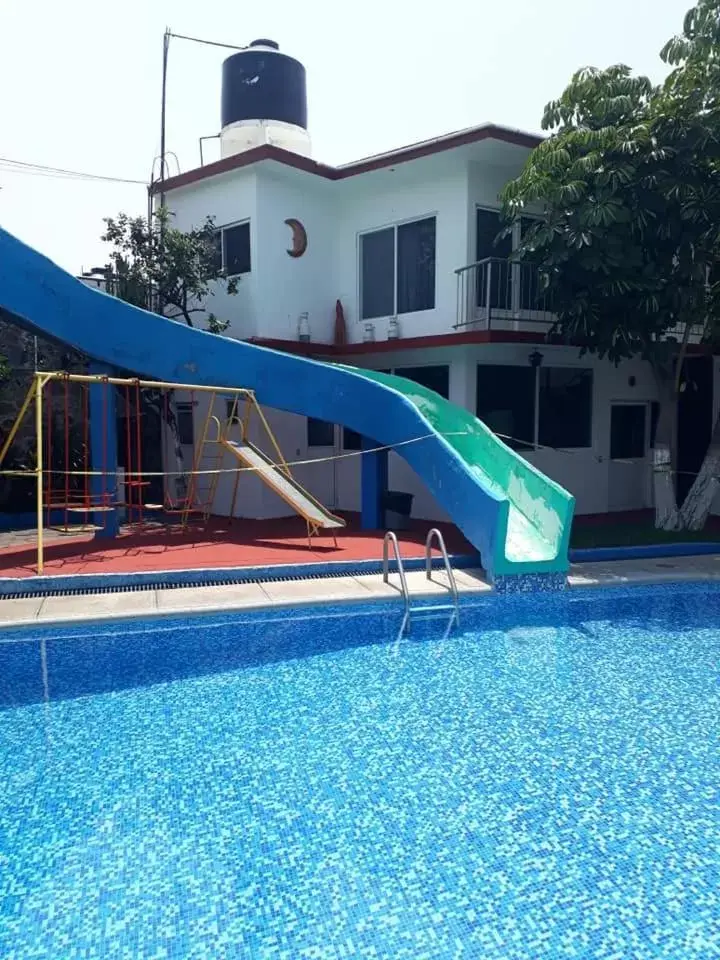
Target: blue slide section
column 41, row 296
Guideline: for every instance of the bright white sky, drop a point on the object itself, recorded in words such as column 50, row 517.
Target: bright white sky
column 80, row 84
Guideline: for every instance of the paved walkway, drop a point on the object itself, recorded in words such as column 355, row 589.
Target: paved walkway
column 291, row 593
column 660, row 570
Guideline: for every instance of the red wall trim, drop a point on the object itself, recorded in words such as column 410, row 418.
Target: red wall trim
column 392, row 346
column 331, row 350
column 402, row 155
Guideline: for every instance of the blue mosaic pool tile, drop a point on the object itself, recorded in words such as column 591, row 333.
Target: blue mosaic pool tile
column 540, row 784
column 531, row 583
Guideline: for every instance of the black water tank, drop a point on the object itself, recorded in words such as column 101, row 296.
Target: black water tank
column 261, row 83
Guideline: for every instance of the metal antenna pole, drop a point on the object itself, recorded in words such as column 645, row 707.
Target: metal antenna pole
column 166, row 50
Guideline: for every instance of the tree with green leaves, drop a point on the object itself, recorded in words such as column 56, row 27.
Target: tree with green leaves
column 156, row 266
column 626, row 195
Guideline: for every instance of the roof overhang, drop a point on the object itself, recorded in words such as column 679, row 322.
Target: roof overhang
column 405, row 154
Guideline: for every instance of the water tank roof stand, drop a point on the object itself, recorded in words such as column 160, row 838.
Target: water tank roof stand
column 264, row 100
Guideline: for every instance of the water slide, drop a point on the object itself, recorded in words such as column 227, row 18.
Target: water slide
column 517, row 518
column 284, row 485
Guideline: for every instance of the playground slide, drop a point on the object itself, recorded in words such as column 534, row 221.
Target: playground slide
column 285, row 486
column 517, row 518
column 529, row 534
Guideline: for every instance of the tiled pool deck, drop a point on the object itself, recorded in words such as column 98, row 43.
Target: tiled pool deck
column 289, row 593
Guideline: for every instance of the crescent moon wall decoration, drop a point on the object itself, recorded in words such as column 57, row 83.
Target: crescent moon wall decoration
column 299, row 238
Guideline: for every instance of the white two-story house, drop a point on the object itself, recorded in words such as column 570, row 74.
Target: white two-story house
column 405, row 242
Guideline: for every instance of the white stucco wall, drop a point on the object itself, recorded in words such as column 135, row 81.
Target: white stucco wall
column 227, row 198
column 254, row 498
column 334, row 214
column 386, row 197
column 598, row 484
column 289, row 286
column 586, row 472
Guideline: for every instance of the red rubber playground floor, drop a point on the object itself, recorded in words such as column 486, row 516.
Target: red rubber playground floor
column 243, row 543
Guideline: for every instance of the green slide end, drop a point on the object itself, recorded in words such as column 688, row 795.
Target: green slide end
column 540, row 511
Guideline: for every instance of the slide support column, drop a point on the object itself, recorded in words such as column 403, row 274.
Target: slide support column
column 374, row 486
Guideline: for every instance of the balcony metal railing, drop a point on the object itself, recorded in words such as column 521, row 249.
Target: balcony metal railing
column 496, row 294
column 500, row 294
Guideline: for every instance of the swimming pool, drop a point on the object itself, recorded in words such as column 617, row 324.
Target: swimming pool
column 540, row 784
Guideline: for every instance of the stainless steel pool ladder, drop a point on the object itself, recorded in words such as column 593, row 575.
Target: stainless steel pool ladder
column 390, row 538
column 434, row 534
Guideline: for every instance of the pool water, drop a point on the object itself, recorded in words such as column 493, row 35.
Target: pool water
column 542, row 783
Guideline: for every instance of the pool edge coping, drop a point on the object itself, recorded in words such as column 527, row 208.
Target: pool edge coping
column 42, row 585
column 465, row 595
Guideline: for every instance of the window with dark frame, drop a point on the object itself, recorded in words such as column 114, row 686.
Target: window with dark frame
column 232, row 410
column 235, row 246
column 320, row 433
column 351, row 439
column 494, row 280
column 628, row 427
column 565, row 407
column 185, row 424
column 377, row 274
column 397, row 269
column 506, row 403
column 528, row 277
column 435, row 378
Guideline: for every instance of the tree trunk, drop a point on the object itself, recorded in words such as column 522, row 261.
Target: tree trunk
column 667, row 516
column 698, row 502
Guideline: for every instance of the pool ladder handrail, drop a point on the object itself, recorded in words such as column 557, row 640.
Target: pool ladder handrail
column 391, row 538
column 388, row 539
column 435, row 534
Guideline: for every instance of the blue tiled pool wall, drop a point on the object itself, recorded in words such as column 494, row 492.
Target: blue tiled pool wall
column 57, row 663
column 514, row 794
column 531, row 583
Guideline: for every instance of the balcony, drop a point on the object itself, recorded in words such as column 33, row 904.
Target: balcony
column 502, row 295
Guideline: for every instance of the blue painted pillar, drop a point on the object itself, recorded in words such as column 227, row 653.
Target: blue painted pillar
column 103, row 449
column 374, row 486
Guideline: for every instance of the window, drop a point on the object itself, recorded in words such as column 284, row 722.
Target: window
column 185, row 427
column 434, row 378
column 377, row 272
column 232, row 410
column 320, row 433
column 234, row 244
column 351, row 439
column 487, row 227
column 565, row 407
column 397, row 269
column 531, row 288
column 497, row 275
column 506, row 402
column 497, row 282
column 627, row 431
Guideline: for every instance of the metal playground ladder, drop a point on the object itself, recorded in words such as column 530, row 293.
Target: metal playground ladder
column 434, row 534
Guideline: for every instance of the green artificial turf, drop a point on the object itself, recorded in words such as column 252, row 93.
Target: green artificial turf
column 635, row 535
